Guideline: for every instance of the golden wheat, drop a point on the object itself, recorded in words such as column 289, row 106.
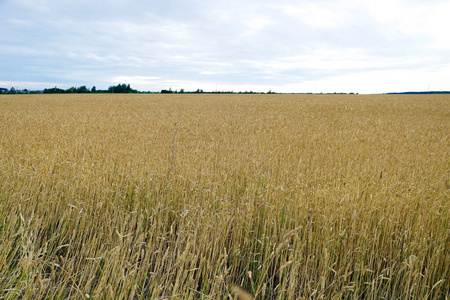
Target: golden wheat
column 205, row 196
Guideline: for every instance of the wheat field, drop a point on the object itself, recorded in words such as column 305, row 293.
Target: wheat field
column 224, row 196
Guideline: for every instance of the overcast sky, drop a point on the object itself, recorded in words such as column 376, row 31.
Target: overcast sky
column 363, row 46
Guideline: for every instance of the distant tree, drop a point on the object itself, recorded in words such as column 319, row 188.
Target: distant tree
column 121, row 88
column 94, row 89
column 54, row 90
column 82, row 89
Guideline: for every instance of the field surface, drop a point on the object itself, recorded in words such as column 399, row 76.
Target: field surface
column 208, row 196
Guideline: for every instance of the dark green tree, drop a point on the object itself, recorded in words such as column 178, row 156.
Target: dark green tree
column 54, row 90
column 82, row 89
column 121, row 88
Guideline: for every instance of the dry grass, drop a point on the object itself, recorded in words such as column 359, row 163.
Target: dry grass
column 193, row 196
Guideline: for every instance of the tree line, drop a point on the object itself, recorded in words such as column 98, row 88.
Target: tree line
column 118, row 89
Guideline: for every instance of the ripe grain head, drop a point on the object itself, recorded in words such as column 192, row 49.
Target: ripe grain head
column 315, row 196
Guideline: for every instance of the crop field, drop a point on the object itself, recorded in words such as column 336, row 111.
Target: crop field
column 224, row 196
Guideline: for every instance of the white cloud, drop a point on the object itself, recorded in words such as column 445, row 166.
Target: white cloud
column 415, row 19
column 30, row 85
column 136, row 80
column 300, row 45
column 256, row 23
column 327, row 61
column 316, row 15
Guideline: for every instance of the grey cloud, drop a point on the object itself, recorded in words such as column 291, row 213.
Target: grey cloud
column 233, row 43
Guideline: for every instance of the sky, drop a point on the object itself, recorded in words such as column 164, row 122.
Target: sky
column 304, row 46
